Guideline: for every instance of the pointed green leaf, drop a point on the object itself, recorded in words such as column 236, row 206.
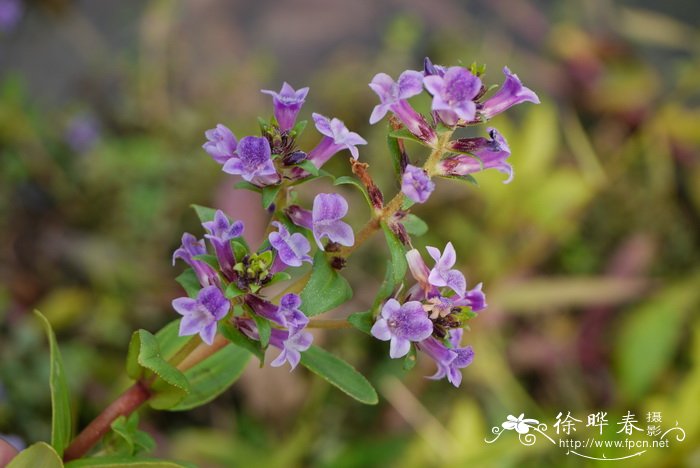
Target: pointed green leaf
column 325, row 290
column 209, row 378
column 39, row 455
column 309, row 167
column 232, row 290
column 465, row 178
column 209, row 259
column 60, row 401
column 127, row 439
column 243, row 185
column 205, row 214
column 189, row 282
column 299, row 128
column 414, row 225
column 396, row 156
column 339, row 373
column 405, row 134
column 363, row 321
column 347, row 180
column 398, row 254
column 144, row 359
column 279, row 277
column 268, row 195
column 235, row 336
column 264, row 329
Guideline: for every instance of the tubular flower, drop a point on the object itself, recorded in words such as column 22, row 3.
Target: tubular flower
column 336, row 137
column 202, row 314
column 402, row 324
column 252, row 160
column 512, row 92
column 221, row 143
column 416, row 184
column 454, row 94
column 487, row 154
column 287, row 104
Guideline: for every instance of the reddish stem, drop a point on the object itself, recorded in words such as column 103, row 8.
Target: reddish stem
column 127, row 403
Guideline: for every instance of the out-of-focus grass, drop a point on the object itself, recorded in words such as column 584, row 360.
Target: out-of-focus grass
column 589, row 258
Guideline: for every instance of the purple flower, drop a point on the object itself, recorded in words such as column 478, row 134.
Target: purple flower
column 190, row 248
column 512, row 92
column 221, row 232
column 292, row 249
column 448, row 360
column 402, row 324
column 416, row 184
column 488, row 154
column 287, row 104
column 82, row 133
column 252, row 160
column 392, row 97
column 221, row 145
column 475, row 299
column 328, row 210
column 291, row 344
column 442, row 273
column 431, row 69
column 10, row 14
column 266, row 309
column 420, row 272
column 294, row 318
column 201, row 315
column 453, row 94
column 336, row 137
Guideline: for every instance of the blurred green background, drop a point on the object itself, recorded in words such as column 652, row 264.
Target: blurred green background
column 590, row 258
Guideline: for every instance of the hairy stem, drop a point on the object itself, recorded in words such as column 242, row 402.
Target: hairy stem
column 127, row 403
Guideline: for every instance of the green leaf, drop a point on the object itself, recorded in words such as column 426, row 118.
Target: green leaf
column 465, row 178
column 125, row 462
column 398, row 254
column 232, row 290
column 144, row 357
column 386, row 290
column 240, row 249
column 189, row 282
column 339, row 373
column 404, row 134
column 209, row 378
column 363, row 321
column 298, row 129
column 309, row 167
column 209, row 259
column 279, row 277
column 264, row 329
column 60, row 401
column 269, row 194
column 39, row 455
column 414, row 225
column 214, row 375
column 205, row 214
column 325, row 290
column 396, row 156
column 235, row 336
column 247, row 186
column 347, row 180
column 126, row 438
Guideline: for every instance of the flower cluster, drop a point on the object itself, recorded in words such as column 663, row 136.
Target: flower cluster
column 429, row 317
column 433, row 314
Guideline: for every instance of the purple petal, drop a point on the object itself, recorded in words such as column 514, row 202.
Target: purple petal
column 329, row 207
column 391, row 307
column 380, row 330
column 412, row 322
column 300, row 216
column 399, row 347
column 184, row 305
column 193, row 323
column 323, row 124
column 434, row 84
column 336, row 231
column 213, row 300
column 456, row 281
column 208, row 332
column 410, row 84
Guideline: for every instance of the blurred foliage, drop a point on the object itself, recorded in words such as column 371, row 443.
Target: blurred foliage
column 589, row 257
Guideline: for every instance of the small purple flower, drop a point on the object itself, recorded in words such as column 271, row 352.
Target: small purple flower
column 221, row 232
column 336, row 137
column 266, row 309
column 287, row 104
column 291, row 344
column 448, row 360
column 512, row 92
column 402, row 324
column 442, row 273
column 392, row 96
column 190, row 248
column 489, row 154
column 292, row 249
column 431, row 69
column 294, row 318
column 475, row 299
column 10, row 14
column 253, row 161
column 453, row 94
column 201, row 315
column 328, row 210
column 416, row 184
column 83, row 133
column 221, row 145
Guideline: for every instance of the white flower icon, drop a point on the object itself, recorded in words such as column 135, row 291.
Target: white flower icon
column 520, row 424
